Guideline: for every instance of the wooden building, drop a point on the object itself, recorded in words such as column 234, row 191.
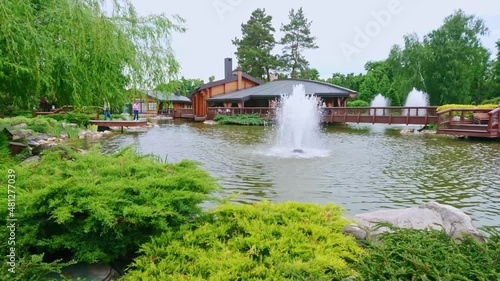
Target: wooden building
column 157, row 102
column 265, row 95
column 234, row 81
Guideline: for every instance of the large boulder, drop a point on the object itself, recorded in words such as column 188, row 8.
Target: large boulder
column 431, row 215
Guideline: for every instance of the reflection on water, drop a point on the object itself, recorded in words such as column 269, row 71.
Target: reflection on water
column 365, row 169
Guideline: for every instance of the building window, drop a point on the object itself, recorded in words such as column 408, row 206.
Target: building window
column 188, row 106
column 143, row 107
column 152, row 106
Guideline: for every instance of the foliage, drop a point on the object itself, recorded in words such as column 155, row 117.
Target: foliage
column 91, row 50
column 450, row 106
column 254, row 49
column 18, row 120
column 409, row 254
column 297, row 38
column 240, row 119
column 72, row 132
column 261, row 241
column 491, row 101
column 309, row 74
column 357, row 103
column 349, row 81
column 97, row 208
column 92, row 128
column 79, row 119
column 33, row 267
column 4, row 147
column 185, row 86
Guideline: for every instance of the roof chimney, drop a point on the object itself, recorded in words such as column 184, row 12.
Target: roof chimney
column 178, row 91
column 228, row 68
column 239, row 74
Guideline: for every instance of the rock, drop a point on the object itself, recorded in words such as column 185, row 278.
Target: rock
column 210, row 122
column 407, row 131
column 22, row 125
column 38, row 139
column 31, row 159
column 72, row 125
column 22, row 133
column 431, row 215
column 85, row 271
column 39, row 148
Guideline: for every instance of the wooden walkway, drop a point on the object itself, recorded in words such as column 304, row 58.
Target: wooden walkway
column 119, row 123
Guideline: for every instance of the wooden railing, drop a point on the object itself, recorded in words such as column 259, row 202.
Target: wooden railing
column 63, row 109
column 387, row 115
column 494, row 120
column 454, row 116
column 472, row 118
column 184, row 113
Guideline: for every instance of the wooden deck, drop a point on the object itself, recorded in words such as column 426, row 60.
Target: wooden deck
column 469, row 122
column 119, row 123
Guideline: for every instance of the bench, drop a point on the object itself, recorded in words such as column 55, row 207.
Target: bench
column 480, row 117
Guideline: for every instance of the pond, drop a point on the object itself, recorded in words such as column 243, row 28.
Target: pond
column 361, row 167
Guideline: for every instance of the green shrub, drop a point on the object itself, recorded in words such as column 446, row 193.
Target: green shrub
column 263, row 241
column 32, row 268
column 97, row 208
column 18, row 120
column 357, row 103
column 240, row 119
column 42, row 124
column 80, row 119
column 4, row 147
column 409, row 254
column 449, row 106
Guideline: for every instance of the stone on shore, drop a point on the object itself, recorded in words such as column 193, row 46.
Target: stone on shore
column 431, row 215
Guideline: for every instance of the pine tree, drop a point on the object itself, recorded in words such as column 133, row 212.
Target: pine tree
column 297, row 39
column 255, row 47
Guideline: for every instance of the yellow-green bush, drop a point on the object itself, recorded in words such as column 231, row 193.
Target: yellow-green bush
column 450, row 106
column 263, row 241
column 468, row 114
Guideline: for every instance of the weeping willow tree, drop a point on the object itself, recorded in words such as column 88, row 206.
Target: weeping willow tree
column 80, row 52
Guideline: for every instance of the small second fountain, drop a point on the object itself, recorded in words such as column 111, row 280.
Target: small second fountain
column 416, row 98
column 379, row 101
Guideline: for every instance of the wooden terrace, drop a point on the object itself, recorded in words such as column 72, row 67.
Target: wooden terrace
column 471, row 122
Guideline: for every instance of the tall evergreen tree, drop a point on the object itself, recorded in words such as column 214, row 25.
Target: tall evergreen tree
column 297, row 39
column 255, row 47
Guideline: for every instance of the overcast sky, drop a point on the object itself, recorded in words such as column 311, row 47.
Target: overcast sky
column 349, row 33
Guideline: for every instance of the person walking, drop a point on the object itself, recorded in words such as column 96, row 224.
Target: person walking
column 107, row 111
column 135, row 108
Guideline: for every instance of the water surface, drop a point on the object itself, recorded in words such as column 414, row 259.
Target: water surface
column 361, row 168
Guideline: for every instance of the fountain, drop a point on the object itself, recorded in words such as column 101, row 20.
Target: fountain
column 379, row 101
column 298, row 125
column 416, row 98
